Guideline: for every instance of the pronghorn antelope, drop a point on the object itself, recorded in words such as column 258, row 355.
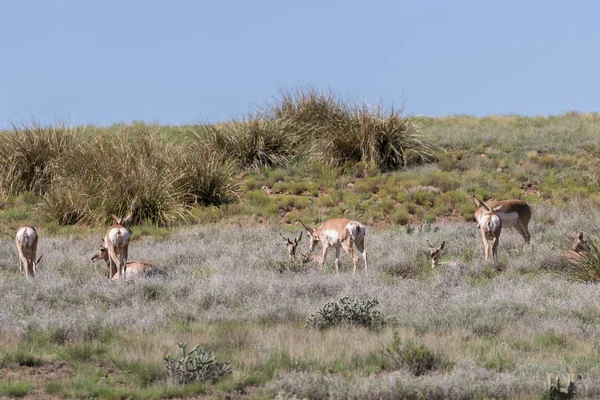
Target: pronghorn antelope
column 292, row 245
column 578, row 247
column 434, row 253
column 490, row 226
column 27, row 240
column 339, row 233
column 513, row 213
column 116, row 241
column 132, row 267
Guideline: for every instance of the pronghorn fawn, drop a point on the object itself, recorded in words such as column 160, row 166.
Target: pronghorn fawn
column 132, row 267
column 434, row 253
column 579, row 247
column 490, row 226
column 339, row 233
column 513, row 213
column 116, row 241
column 27, row 240
column 292, row 245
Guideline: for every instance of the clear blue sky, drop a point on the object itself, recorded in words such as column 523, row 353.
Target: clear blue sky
column 176, row 62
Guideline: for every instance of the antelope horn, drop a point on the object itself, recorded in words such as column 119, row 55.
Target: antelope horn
column 305, row 227
column 430, row 244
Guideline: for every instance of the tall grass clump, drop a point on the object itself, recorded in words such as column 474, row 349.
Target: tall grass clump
column 586, row 268
column 30, row 155
column 255, row 142
column 133, row 171
column 340, row 132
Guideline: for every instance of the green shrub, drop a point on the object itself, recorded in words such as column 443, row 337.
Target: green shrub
column 13, row 389
column 347, row 311
column 197, row 365
column 416, row 357
column 585, row 268
column 400, row 216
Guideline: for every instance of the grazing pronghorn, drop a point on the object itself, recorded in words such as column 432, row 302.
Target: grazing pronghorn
column 292, row 245
column 513, row 213
column 339, row 233
column 27, row 240
column 132, row 267
column 116, row 241
column 490, row 226
column 578, row 248
column 434, row 253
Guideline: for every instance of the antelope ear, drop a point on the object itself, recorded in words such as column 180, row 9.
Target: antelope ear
column 117, row 219
column 127, row 220
column 497, row 208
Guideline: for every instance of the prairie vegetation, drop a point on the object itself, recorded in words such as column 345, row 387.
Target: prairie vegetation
column 469, row 329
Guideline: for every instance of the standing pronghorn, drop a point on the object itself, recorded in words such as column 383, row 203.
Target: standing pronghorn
column 490, row 226
column 292, row 245
column 27, row 240
column 513, row 213
column 117, row 244
column 339, row 233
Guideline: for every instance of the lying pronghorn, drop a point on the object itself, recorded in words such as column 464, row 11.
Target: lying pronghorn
column 339, row 233
column 132, row 267
column 434, row 253
column 292, row 245
column 116, row 241
column 490, row 226
column 578, row 248
column 26, row 240
column 513, row 213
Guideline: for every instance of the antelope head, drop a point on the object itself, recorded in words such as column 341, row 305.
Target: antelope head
column 101, row 254
column 313, row 236
column 579, row 244
column 434, row 253
column 292, row 245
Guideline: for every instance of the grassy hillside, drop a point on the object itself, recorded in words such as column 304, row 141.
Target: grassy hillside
column 210, row 221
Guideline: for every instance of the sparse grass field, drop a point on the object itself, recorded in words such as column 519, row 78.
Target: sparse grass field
column 467, row 330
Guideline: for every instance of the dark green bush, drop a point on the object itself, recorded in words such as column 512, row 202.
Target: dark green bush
column 418, row 358
column 196, row 365
column 347, row 311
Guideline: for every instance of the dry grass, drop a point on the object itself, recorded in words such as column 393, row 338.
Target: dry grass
column 504, row 330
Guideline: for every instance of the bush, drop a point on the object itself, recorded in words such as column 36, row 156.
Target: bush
column 197, row 365
column 416, row 357
column 156, row 181
column 347, row 311
column 258, row 141
column 30, row 156
column 340, row 133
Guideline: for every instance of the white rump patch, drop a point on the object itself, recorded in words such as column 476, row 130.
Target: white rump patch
column 116, row 239
column 484, row 222
column 26, row 236
column 356, row 229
